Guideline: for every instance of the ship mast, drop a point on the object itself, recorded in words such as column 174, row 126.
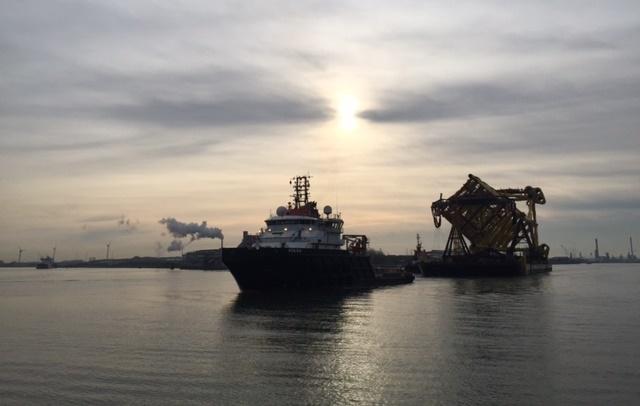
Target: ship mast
column 300, row 190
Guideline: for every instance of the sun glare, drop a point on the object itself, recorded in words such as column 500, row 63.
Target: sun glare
column 347, row 110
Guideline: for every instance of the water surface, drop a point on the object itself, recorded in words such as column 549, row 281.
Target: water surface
column 135, row 336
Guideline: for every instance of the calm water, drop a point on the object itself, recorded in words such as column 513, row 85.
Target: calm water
column 178, row 337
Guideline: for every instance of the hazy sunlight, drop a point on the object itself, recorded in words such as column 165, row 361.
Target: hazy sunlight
column 347, row 109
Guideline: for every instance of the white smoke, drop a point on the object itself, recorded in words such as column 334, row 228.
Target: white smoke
column 126, row 224
column 194, row 231
column 175, row 245
column 159, row 249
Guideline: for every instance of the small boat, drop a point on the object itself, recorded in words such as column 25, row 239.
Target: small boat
column 48, row 262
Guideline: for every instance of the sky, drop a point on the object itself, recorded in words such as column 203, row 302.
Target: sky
column 117, row 114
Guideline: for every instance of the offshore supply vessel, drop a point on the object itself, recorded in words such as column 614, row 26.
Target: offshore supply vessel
column 503, row 240
column 300, row 249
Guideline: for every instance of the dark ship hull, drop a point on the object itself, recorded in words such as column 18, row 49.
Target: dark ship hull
column 304, row 269
column 470, row 267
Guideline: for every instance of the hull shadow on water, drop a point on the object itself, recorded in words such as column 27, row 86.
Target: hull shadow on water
column 309, row 346
column 251, row 302
column 505, row 285
column 300, row 313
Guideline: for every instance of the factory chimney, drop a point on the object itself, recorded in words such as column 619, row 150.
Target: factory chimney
column 597, row 253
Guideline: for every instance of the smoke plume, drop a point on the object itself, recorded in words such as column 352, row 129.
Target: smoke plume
column 175, row 245
column 126, row 223
column 159, row 249
column 194, row 231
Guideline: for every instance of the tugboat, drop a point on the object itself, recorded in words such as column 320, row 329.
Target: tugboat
column 422, row 258
column 47, row 262
column 300, row 249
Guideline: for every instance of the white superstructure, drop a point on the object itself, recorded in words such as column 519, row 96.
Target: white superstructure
column 299, row 225
column 295, row 231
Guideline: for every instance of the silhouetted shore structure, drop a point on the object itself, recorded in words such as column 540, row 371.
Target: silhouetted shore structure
column 211, row 260
column 564, row 260
column 198, row 260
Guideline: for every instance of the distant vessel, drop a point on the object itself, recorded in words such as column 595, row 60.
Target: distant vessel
column 48, row 262
column 299, row 249
column 421, row 258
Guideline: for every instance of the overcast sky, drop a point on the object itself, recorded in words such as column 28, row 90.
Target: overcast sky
column 116, row 114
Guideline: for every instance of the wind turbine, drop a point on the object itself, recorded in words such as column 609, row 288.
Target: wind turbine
column 20, row 251
column 108, row 248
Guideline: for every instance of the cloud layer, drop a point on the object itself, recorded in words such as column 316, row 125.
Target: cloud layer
column 205, row 110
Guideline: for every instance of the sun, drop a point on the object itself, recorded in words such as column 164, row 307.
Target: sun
column 347, row 113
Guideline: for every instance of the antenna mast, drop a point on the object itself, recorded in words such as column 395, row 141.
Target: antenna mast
column 300, row 190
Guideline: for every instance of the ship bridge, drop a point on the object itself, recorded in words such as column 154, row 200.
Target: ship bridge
column 299, row 225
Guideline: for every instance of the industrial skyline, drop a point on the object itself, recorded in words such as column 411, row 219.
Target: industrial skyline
column 118, row 114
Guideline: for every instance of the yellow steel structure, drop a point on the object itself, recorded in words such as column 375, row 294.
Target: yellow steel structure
column 490, row 220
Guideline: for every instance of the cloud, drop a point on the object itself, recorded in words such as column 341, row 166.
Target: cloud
column 102, row 78
column 446, row 102
column 602, row 204
column 476, row 39
column 522, row 43
column 108, row 226
column 102, row 218
column 127, row 224
column 132, row 104
column 200, row 99
column 232, row 111
column 498, row 97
